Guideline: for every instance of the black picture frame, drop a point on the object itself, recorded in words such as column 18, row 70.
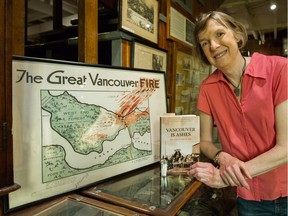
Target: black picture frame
column 61, row 139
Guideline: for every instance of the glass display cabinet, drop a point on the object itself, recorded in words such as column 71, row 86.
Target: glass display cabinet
column 147, row 191
column 136, row 193
column 75, row 205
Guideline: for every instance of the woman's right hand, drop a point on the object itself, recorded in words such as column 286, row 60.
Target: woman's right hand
column 207, row 174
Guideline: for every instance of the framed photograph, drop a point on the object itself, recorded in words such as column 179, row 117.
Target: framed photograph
column 180, row 28
column 75, row 124
column 140, row 17
column 146, row 57
column 185, row 4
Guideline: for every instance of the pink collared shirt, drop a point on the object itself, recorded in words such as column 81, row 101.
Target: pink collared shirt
column 247, row 129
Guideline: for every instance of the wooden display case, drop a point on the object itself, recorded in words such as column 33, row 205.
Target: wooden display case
column 140, row 192
column 147, row 191
column 75, row 205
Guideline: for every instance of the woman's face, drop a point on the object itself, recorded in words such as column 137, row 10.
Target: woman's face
column 219, row 44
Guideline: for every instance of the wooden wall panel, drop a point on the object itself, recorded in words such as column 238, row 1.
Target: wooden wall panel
column 3, row 158
column 6, row 93
column 88, row 31
column 126, row 53
column 18, row 22
column 6, row 149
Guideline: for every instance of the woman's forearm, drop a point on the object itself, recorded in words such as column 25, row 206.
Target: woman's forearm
column 208, row 149
column 277, row 155
column 267, row 161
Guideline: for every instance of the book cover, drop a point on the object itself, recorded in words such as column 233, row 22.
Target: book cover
column 180, row 138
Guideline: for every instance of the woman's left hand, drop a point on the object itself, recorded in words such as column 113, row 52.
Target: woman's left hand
column 207, row 173
column 233, row 171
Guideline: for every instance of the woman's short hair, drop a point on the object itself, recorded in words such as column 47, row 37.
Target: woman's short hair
column 223, row 19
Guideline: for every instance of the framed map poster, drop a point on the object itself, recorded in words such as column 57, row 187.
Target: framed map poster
column 140, row 17
column 75, row 124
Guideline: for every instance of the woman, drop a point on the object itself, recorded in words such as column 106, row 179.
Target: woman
column 246, row 97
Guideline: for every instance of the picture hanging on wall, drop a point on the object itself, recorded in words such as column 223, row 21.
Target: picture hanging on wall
column 75, row 124
column 140, row 17
column 179, row 27
column 147, row 57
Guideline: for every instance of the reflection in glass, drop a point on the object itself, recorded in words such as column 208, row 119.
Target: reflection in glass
column 71, row 207
column 148, row 187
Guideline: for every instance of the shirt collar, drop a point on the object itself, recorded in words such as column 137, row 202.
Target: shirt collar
column 257, row 66
column 256, row 59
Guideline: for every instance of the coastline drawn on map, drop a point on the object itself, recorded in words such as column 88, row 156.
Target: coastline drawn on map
column 87, row 137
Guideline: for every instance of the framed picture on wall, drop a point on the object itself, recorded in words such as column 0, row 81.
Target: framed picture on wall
column 75, row 124
column 179, row 27
column 147, row 57
column 140, row 18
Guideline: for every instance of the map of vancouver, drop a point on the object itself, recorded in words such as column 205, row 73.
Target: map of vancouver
column 78, row 137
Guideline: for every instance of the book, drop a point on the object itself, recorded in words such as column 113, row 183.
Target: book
column 179, row 141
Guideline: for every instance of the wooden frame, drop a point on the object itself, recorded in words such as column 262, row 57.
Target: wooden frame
column 147, row 57
column 77, row 124
column 72, row 203
column 140, row 18
column 180, row 27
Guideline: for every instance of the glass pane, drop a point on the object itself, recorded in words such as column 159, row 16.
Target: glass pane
column 75, row 208
column 148, row 187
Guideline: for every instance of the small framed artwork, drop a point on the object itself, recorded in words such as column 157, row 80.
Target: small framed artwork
column 140, row 18
column 180, row 28
column 147, row 57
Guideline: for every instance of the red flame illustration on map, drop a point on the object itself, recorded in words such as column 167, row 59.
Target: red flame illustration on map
column 129, row 102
